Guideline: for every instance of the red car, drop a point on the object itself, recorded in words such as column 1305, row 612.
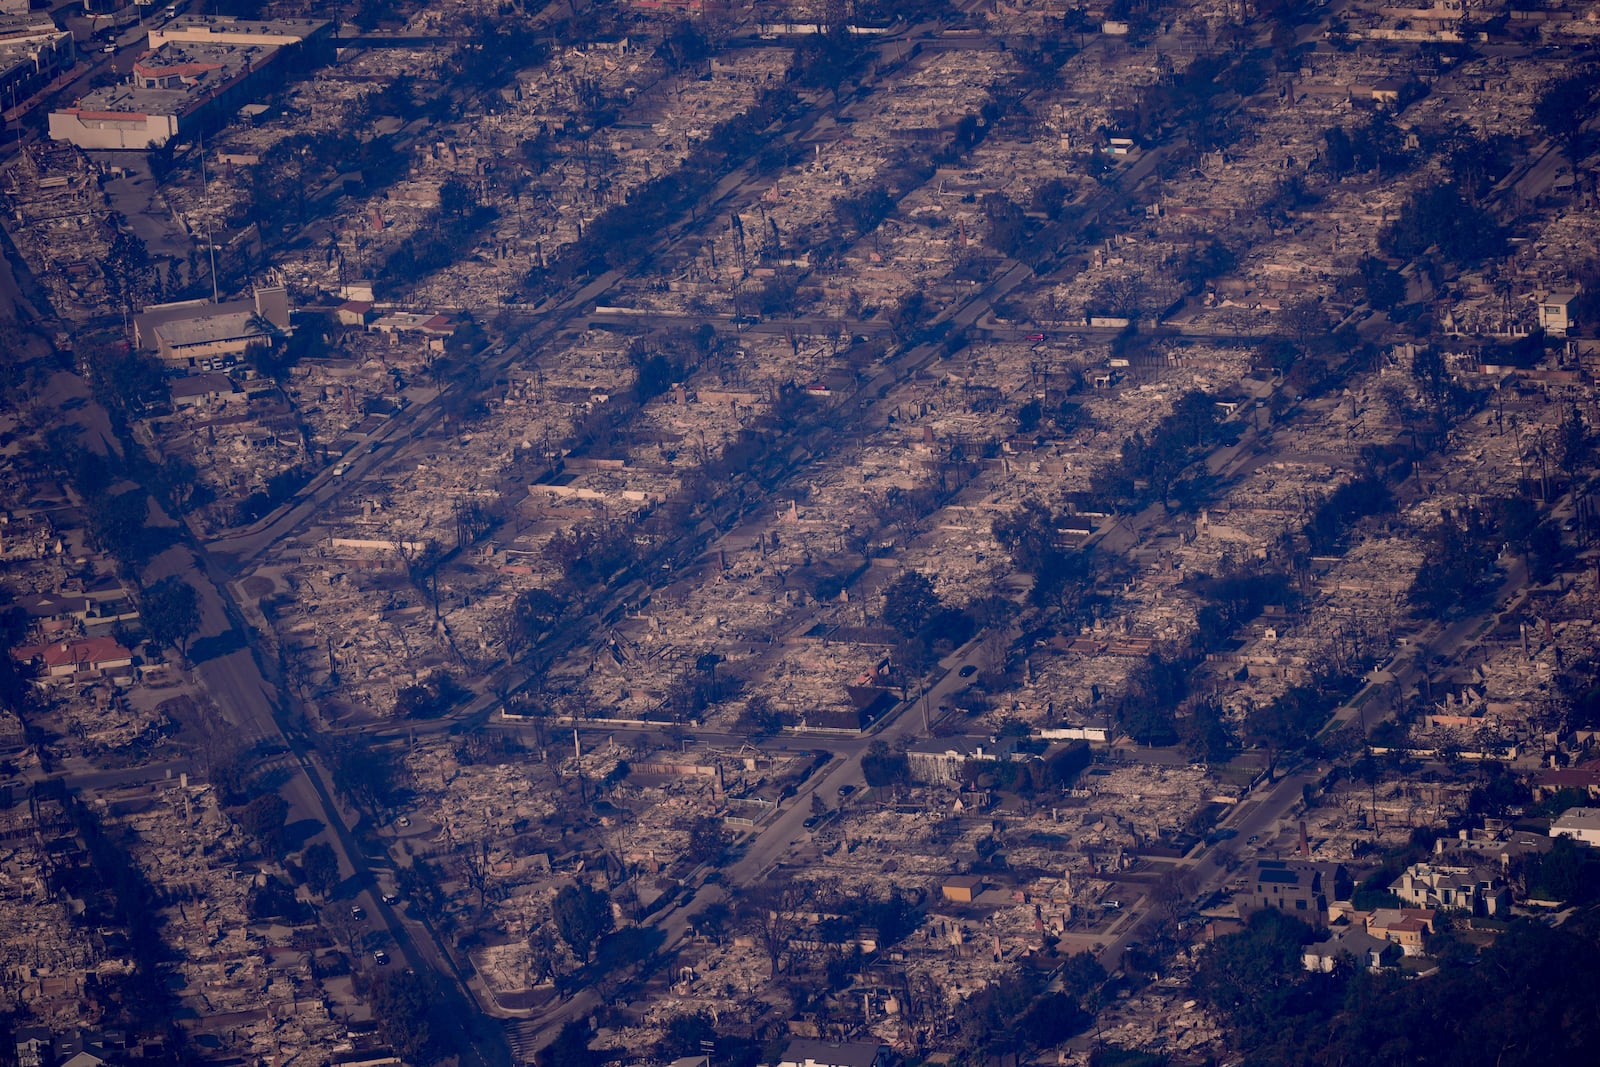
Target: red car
column 1036, row 337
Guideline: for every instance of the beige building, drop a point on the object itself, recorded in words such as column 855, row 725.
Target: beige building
column 1555, row 312
column 1478, row 890
column 220, row 29
column 191, row 333
column 170, row 91
column 199, row 70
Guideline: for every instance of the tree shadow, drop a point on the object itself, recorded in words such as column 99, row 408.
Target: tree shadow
column 207, row 648
column 297, row 833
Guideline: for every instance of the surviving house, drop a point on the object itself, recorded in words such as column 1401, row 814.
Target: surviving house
column 809, row 1053
column 1479, row 890
column 962, row 888
column 1555, row 312
column 1407, row 927
column 1580, row 824
column 1367, row 951
column 202, row 390
column 66, row 659
column 940, row 760
column 1300, row 887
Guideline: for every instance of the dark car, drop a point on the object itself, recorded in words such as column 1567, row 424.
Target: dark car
column 846, row 789
column 381, row 958
column 357, row 911
column 967, row 672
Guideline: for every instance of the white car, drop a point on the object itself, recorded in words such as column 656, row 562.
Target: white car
column 339, row 469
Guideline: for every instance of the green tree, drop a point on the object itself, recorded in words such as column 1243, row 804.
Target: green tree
column 708, row 841
column 1573, row 442
column 583, row 916
column 537, row 610
column 1565, row 873
column 366, row 775
column 130, row 274
column 401, row 1006
column 1381, row 284
column 1082, row 974
column 1453, row 566
column 263, row 819
column 1566, row 104
column 321, row 867
column 909, row 603
column 881, row 767
column 1206, row 735
column 171, row 611
column 1250, row 978
column 686, row 1035
column 1287, row 724
column 1439, row 216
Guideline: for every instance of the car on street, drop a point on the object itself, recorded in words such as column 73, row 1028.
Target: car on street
column 846, row 789
column 1036, row 337
column 967, row 671
column 391, row 898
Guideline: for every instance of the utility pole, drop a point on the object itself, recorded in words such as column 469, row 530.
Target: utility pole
column 205, row 198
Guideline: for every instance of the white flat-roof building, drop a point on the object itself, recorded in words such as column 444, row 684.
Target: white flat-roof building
column 220, row 29
column 1580, row 824
column 1555, row 312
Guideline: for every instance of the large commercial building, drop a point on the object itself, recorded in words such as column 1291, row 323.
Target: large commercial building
column 199, row 71
column 191, row 333
column 218, row 29
column 33, row 53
